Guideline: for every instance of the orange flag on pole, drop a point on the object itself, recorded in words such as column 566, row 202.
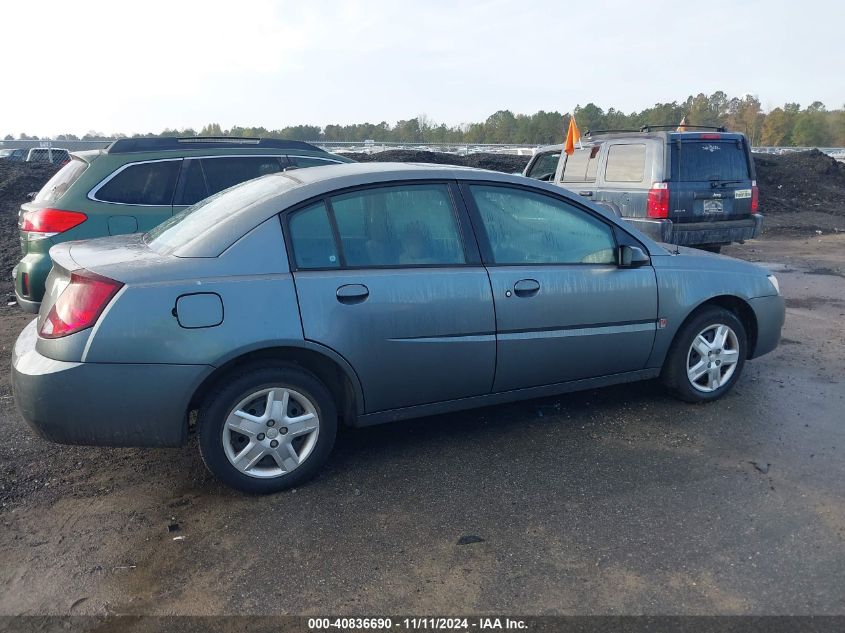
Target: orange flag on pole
column 572, row 136
column 682, row 126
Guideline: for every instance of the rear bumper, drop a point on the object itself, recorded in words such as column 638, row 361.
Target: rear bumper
column 695, row 233
column 770, row 313
column 102, row 404
column 37, row 266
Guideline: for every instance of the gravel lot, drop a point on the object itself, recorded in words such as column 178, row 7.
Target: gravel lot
column 614, row 501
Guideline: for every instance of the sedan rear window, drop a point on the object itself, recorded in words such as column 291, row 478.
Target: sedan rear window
column 190, row 224
column 709, row 161
column 61, row 181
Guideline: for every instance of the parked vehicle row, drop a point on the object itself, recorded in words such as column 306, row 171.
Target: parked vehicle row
column 356, row 294
column 694, row 188
column 55, row 155
column 134, row 185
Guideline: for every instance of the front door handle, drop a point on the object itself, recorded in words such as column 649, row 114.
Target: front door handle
column 352, row 293
column 586, row 194
column 526, row 287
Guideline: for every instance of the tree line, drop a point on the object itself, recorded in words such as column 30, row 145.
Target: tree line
column 789, row 125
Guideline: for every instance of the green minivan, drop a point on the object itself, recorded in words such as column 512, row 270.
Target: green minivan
column 134, row 185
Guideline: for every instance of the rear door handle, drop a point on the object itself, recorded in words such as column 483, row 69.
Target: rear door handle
column 526, row 287
column 586, row 194
column 352, row 293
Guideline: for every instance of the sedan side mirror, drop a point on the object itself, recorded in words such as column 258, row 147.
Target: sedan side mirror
column 31, row 195
column 632, row 257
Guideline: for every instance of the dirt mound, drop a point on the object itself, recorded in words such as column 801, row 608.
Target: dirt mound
column 16, row 180
column 507, row 163
column 801, row 193
column 800, row 181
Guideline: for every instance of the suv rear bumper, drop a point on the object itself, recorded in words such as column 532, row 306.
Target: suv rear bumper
column 37, row 266
column 102, row 404
column 695, row 233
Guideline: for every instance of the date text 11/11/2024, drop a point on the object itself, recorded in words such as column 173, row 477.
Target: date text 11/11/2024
column 422, row 623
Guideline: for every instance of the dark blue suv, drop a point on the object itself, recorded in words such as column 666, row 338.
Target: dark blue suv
column 693, row 188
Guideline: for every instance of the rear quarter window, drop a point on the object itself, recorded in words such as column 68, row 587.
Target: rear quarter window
column 709, row 160
column 625, row 163
column 56, row 187
column 150, row 184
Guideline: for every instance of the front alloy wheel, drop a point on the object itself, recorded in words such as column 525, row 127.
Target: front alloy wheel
column 712, row 357
column 706, row 356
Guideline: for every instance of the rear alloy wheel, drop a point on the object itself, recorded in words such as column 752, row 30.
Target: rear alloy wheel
column 267, row 430
column 706, row 357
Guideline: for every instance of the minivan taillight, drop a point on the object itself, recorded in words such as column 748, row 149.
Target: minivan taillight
column 658, row 200
column 755, row 197
column 50, row 222
column 80, row 304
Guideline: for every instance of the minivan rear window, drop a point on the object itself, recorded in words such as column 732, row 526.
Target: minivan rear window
column 61, row 181
column 708, row 160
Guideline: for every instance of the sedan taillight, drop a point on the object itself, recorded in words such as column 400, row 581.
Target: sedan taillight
column 80, row 304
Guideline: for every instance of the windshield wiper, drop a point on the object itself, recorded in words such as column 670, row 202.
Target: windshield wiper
column 724, row 183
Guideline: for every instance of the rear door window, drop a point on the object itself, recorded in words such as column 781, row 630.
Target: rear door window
column 625, row 163
column 61, row 181
column 150, row 184
column 708, row 160
column 312, row 239
column 407, row 225
column 228, row 171
column 545, row 166
column 581, row 166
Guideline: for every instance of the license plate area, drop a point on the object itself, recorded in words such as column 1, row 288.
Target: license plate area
column 712, row 207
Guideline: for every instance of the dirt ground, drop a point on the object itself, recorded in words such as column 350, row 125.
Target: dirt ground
column 613, row 501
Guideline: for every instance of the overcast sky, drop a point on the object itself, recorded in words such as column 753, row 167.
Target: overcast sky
column 128, row 67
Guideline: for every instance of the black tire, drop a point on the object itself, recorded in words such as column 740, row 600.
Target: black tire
column 240, row 384
column 675, row 375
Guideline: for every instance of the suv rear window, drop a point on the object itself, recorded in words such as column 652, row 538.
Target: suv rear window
column 709, row 161
column 61, row 181
column 149, row 184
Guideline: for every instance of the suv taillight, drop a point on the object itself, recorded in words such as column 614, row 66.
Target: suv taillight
column 658, row 200
column 80, row 304
column 755, row 197
column 49, row 222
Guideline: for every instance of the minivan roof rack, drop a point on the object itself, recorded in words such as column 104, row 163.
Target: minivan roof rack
column 160, row 143
column 674, row 128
